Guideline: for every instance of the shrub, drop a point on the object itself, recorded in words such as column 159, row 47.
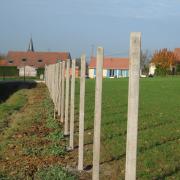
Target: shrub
column 40, row 71
column 9, row 71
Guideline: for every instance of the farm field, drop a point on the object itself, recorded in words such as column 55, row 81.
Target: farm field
column 32, row 143
column 159, row 127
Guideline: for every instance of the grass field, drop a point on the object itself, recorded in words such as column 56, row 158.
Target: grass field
column 159, row 127
column 33, row 146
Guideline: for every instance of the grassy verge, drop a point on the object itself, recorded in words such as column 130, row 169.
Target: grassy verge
column 33, row 145
column 12, row 105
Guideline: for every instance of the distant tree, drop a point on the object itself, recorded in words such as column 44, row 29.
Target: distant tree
column 78, row 64
column 2, row 56
column 144, row 62
column 164, row 60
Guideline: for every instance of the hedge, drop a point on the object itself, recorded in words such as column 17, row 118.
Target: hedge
column 9, row 71
column 40, row 71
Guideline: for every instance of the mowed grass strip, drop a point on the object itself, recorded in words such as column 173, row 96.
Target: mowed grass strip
column 159, row 125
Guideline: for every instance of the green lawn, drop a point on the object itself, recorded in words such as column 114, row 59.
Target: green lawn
column 159, row 127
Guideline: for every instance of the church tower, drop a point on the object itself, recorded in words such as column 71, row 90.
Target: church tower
column 31, row 47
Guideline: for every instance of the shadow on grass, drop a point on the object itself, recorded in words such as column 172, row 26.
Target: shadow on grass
column 7, row 88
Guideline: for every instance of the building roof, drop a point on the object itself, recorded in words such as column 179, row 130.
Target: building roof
column 37, row 59
column 177, row 52
column 3, row 62
column 111, row 63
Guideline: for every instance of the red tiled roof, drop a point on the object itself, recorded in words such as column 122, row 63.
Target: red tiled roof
column 32, row 58
column 177, row 52
column 111, row 63
column 3, row 62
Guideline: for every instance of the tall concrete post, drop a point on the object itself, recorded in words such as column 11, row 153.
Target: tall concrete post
column 133, row 103
column 71, row 142
column 66, row 122
column 56, row 85
column 45, row 74
column 97, row 113
column 52, row 82
column 59, row 89
column 62, row 92
column 81, row 113
column 54, row 89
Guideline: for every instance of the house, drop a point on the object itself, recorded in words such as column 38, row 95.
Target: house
column 113, row 67
column 29, row 61
column 152, row 69
column 173, row 68
column 34, row 60
column 177, row 53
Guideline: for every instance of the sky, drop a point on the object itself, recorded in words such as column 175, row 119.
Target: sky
column 80, row 26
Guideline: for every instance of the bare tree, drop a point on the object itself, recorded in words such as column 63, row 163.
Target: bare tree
column 144, row 62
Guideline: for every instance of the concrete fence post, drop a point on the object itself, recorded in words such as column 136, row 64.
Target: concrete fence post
column 97, row 113
column 133, row 103
column 59, row 89
column 56, row 85
column 62, row 92
column 81, row 113
column 51, row 81
column 45, row 74
column 66, row 122
column 71, row 143
column 54, row 90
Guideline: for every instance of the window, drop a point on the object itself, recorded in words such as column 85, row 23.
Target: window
column 10, row 61
column 94, row 72
column 40, row 60
column 111, row 73
column 23, row 60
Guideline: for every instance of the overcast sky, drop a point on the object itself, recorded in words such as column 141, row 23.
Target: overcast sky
column 77, row 25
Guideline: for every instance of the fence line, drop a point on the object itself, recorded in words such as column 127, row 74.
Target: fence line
column 55, row 80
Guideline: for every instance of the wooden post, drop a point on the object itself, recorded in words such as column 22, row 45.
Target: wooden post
column 133, row 102
column 66, row 122
column 97, row 114
column 62, row 92
column 71, row 143
column 81, row 113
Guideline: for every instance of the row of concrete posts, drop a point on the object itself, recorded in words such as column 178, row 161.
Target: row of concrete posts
column 60, row 83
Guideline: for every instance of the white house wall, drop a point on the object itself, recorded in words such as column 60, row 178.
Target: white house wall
column 104, row 72
column 91, row 73
column 152, row 69
column 29, row 71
